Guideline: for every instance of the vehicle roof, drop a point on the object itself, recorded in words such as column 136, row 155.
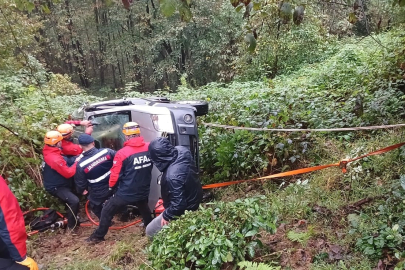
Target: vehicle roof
column 134, row 104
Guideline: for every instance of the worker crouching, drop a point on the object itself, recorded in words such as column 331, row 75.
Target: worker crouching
column 131, row 177
column 180, row 187
column 58, row 176
column 93, row 173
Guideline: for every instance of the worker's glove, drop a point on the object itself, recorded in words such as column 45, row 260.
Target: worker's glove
column 30, row 263
column 110, row 192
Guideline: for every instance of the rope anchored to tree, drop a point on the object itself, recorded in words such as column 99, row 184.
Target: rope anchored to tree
column 304, row 129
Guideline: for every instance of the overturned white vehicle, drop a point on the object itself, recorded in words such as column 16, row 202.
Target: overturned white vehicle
column 154, row 116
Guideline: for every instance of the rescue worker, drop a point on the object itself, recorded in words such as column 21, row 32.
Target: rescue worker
column 93, row 172
column 131, row 173
column 68, row 147
column 57, row 174
column 13, row 249
column 181, row 189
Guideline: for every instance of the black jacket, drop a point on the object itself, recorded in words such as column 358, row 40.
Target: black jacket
column 180, row 187
column 93, row 173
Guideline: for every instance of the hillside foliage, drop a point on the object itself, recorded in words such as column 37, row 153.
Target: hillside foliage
column 259, row 63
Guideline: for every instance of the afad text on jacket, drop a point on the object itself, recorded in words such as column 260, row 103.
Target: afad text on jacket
column 132, row 170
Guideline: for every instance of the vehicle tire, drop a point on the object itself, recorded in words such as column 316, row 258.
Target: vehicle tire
column 201, row 106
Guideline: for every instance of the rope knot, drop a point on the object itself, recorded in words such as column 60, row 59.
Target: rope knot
column 343, row 165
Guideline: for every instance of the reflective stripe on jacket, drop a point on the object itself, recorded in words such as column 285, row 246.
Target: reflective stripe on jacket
column 93, row 173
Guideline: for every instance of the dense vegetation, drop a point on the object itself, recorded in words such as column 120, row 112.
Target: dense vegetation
column 259, row 64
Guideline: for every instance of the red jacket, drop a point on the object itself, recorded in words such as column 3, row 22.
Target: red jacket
column 132, row 170
column 68, row 147
column 12, row 227
column 53, row 157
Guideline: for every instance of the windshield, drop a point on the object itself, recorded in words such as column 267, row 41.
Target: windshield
column 108, row 129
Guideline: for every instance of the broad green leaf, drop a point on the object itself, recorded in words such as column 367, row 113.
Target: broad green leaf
column 46, row 9
column 239, row 7
column 256, row 6
column 229, row 257
column 352, row 18
column 201, row 262
column 251, row 251
column 168, row 7
column 251, row 233
column 29, row 6
column 229, row 243
column 185, row 13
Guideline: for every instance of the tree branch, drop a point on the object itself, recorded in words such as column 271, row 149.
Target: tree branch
column 26, row 141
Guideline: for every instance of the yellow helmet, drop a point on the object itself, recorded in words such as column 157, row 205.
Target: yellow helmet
column 52, row 137
column 131, row 128
column 65, row 130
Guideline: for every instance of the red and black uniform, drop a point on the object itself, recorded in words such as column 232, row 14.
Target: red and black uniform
column 58, row 181
column 12, row 230
column 131, row 171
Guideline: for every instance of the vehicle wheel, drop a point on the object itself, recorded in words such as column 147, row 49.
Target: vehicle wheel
column 201, row 106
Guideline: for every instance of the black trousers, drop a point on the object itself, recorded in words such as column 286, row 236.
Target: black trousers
column 96, row 209
column 67, row 196
column 113, row 206
column 7, row 264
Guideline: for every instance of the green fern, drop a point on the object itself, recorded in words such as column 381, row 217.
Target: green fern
column 302, row 238
column 257, row 266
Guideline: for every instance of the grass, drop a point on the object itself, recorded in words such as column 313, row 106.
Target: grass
column 324, row 201
column 122, row 250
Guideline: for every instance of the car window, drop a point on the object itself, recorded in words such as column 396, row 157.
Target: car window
column 107, row 129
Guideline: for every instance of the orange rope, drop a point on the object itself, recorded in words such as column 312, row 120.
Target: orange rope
column 111, row 228
column 342, row 164
column 93, row 222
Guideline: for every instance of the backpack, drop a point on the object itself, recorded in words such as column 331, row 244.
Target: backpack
column 44, row 221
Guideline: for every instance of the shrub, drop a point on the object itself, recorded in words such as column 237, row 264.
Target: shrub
column 30, row 107
column 208, row 238
column 386, row 234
